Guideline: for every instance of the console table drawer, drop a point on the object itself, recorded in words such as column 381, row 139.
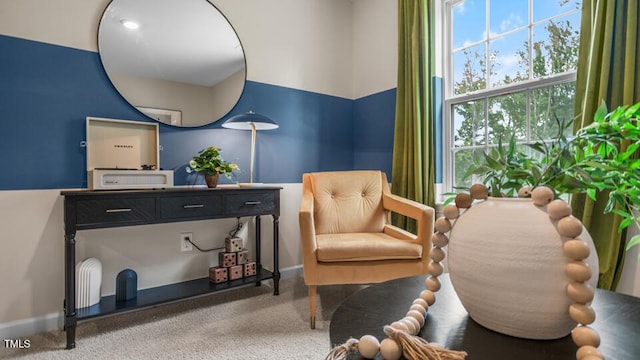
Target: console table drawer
column 116, row 211
column 183, row 207
column 250, row 204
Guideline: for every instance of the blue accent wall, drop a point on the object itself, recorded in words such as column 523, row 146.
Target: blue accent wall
column 373, row 122
column 314, row 134
column 47, row 91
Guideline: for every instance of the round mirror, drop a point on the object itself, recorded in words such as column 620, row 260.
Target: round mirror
column 177, row 61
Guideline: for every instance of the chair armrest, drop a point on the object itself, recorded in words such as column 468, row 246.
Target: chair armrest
column 406, row 207
column 423, row 214
column 307, row 229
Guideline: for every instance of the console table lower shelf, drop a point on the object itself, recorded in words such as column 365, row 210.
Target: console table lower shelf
column 166, row 293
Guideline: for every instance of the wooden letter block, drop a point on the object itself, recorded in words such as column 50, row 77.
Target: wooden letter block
column 233, row 244
column 226, row 259
column 242, row 257
column 250, row 268
column 218, row 274
column 235, row 272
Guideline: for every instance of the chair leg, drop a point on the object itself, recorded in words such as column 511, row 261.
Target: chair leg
column 312, row 305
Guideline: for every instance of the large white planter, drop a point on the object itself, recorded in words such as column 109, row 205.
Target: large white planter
column 507, row 266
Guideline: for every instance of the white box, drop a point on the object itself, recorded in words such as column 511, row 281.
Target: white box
column 117, row 151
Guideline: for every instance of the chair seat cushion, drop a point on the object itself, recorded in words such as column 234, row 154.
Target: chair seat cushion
column 365, row 247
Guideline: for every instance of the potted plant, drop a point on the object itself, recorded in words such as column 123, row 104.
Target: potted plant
column 600, row 157
column 211, row 163
column 507, row 256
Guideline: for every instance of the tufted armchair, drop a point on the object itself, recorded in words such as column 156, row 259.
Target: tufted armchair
column 346, row 234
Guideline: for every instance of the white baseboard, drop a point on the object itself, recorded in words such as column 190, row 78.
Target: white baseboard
column 290, row 272
column 25, row 327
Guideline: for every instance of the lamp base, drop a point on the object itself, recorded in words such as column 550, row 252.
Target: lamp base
column 243, row 185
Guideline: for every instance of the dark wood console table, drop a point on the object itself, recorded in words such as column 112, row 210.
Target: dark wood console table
column 448, row 324
column 87, row 209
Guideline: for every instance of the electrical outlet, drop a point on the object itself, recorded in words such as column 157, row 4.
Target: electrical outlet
column 185, row 245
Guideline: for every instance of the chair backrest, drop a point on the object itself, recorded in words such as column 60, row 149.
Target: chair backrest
column 347, row 201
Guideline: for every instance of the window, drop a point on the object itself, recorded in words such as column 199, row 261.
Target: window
column 509, row 70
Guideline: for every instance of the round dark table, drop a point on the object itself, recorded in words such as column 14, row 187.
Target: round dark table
column 448, row 324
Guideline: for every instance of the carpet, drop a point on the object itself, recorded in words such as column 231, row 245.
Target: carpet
column 242, row 323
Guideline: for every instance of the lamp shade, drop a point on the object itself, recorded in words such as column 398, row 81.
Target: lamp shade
column 244, row 121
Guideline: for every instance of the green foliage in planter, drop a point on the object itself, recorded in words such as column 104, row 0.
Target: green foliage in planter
column 601, row 157
column 210, row 161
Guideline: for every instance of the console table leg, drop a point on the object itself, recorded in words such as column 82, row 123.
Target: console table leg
column 276, row 255
column 69, row 304
column 258, row 261
column 71, row 335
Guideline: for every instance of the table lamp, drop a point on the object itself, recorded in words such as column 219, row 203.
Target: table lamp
column 250, row 121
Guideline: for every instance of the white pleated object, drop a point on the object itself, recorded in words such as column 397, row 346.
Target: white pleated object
column 88, row 282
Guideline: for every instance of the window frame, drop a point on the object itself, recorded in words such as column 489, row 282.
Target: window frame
column 450, row 99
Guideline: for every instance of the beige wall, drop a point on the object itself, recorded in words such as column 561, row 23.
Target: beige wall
column 299, row 44
column 375, row 46
column 305, row 45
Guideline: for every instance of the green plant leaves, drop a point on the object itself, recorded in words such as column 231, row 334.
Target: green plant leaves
column 210, row 161
column 634, row 241
column 602, row 157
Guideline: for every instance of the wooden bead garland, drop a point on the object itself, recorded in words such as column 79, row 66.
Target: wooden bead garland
column 402, row 339
column 577, row 270
column 580, row 292
column 368, row 346
column 390, row 350
column 576, row 249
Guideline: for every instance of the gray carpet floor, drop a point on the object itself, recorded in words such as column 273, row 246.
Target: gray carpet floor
column 244, row 323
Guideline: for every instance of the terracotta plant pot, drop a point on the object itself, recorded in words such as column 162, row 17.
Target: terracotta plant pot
column 211, row 180
column 507, row 266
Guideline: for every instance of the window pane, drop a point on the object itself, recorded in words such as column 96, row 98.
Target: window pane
column 463, row 161
column 555, row 46
column 549, row 106
column 544, row 9
column 469, row 123
column 508, row 15
column 469, row 67
column 509, row 58
column 469, row 22
column 508, row 117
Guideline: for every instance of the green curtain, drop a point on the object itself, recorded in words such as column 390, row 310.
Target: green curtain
column 609, row 70
column 413, row 170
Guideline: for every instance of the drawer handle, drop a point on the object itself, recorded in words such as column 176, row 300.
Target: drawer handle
column 194, row 206
column 253, row 202
column 118, row 210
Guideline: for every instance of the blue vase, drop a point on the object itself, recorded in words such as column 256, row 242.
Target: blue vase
column 126, row 285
